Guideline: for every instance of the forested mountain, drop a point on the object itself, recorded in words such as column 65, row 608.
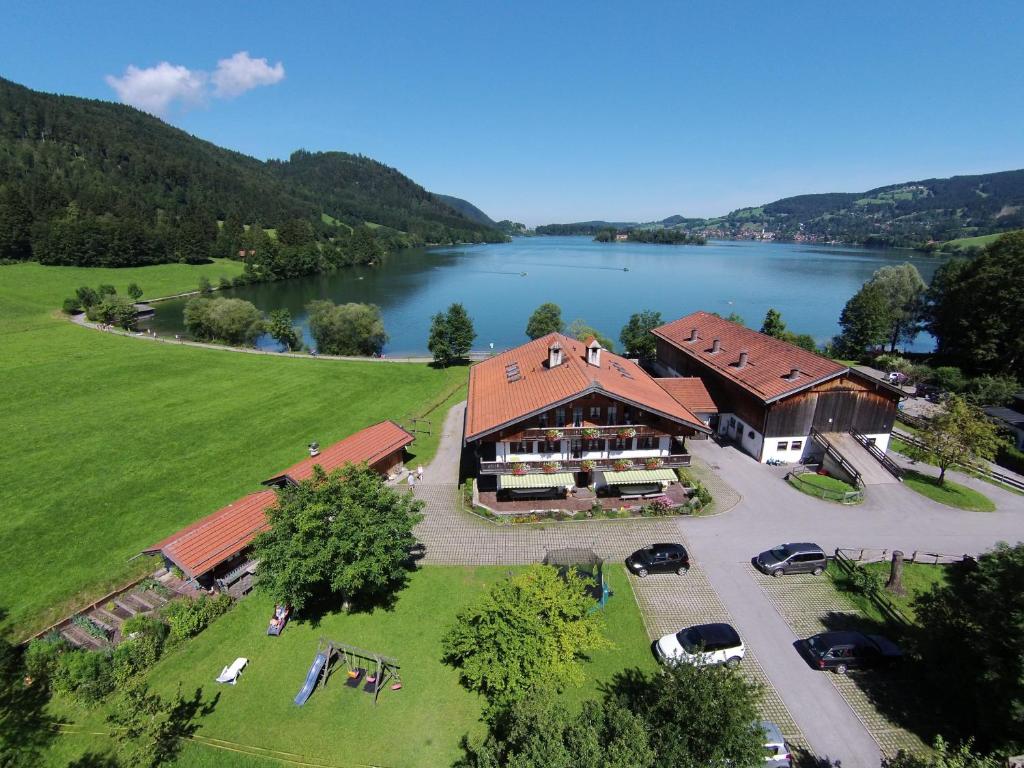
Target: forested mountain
column 93, row 182
column 914, row 213
column 467, row 209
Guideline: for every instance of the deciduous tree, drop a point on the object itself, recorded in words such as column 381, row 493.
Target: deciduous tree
column 865, row 322
column 773, row 324
column 343, row 537
column 451, row 335
column 904, row 291
column 347, row 329
column 958, row 434
column 148, row 729
column 529, row 629
column 233, row 321
column 579, row 329
column 282, row 331
column 547, row 318
column 720, row 724
column 636, row 337
column 971, row 642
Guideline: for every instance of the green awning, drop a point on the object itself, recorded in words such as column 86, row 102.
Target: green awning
column 640, row 476
column 543, row 480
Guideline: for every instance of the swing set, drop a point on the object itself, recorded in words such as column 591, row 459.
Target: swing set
column 368, row 670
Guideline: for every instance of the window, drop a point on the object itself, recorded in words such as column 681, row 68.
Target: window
column 517, row 447
column 750, row 434
column 782, row 446
column 595, row 445
column 543, row 419
column 549, row 446
column 577, row 416
column 645, row 444
column 797, row 445
column 612, row 415
column 618, row 444
column 559, row 417
column 732, row 422
column 595, row 413
column 627, row 416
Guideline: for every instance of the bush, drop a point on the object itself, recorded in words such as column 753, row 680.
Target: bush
column 43, row 655
column 133, row 657
column 701, row 493
column 948, row 378
column 223, row 283
column 864, row 581
column 234, row 321
column 85, row 675
column 71, row 306
column 204, row 284
column 86, row 296
column 187, row 618
column 145, row 626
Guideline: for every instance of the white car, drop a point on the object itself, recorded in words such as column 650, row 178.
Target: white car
column 702, row 645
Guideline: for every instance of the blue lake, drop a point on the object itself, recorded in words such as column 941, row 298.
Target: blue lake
column 602, row 283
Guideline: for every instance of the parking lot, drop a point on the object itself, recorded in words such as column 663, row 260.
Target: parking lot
column 811, row 604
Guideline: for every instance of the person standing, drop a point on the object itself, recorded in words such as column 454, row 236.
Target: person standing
column 412, row 482
column 419, row 473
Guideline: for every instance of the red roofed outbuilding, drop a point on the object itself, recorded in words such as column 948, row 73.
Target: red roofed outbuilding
column 771, row 394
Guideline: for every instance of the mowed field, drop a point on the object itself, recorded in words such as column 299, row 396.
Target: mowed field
column 419, row 725
column 111, row 443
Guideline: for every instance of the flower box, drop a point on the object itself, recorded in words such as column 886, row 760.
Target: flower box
column 588, row 465
column 626, row 432
column 519, row 468
column 551, row 466
column 653, row 463
column 553, row 434
column 591, row 433
column 621, row 465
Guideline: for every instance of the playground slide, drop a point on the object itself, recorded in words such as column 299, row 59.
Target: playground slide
column 311, row 678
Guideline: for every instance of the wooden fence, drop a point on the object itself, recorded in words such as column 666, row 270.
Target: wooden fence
column 843, row 497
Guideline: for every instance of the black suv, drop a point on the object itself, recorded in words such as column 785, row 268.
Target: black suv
column 840, row 651
column 659, row 558
column 793, row 558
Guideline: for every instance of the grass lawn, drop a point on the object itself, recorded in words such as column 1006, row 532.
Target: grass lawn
column 967, row 242
column 419, row 725
column 918, row 578
column 949, row 493
column 111, row 443
column 821, row 486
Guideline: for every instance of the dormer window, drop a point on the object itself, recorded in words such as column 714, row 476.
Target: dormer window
column 594, row 353
column 554, row 355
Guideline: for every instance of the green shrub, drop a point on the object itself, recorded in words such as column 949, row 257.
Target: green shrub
column 581, row 515
column 145, row 626
column 133, row 657
column 949, row 378
column 72, row 306
column 701, row 493
column 85, row 675
column 43, row 655
column 188, row 618
column 1010, row 458
column 864, row 581
column 223, row 283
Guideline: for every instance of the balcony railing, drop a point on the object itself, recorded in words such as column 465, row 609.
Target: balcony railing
column 587, row 431
column 576, row 465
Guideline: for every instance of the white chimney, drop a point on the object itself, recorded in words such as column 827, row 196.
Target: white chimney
column 594, row 353
column 742, row 362
column 554, row 355
column 314, row 449
column 715, row 346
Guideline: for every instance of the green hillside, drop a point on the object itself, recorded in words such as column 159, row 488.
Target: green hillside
column 96, row 183
column 467, row 209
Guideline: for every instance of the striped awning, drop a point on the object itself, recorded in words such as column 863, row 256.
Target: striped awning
column 544, row 480
column 640, row 476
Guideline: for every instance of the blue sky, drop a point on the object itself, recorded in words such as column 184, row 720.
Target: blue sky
column 550, row 111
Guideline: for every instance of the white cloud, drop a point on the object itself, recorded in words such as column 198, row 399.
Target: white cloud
column 158, row 89
column 242, row 73
column 154, row 89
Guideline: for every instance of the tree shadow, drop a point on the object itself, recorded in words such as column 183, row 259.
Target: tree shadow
column 896, row 690
column 385, row 597
column 27, row 727
column 94, row 760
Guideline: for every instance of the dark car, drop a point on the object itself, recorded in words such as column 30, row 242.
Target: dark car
column 659, row 558
column 793, row 558
column 840, row 651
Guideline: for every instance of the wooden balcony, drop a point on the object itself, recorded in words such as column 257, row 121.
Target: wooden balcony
column 577, row 433
column 574, row 465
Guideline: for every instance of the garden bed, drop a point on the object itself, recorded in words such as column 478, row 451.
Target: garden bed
column 825, row 487
column 949, row 493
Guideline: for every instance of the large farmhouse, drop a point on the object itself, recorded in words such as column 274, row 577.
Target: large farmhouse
column 771, row 395
column 556, row 413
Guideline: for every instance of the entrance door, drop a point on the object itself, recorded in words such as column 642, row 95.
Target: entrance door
column 576, row 449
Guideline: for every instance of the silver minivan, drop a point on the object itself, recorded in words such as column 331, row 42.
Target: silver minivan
column 803, row 557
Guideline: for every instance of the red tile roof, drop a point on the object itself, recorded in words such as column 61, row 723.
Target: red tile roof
column 691, row 392
column 369, row 445
column 207, row 543
column 769, row 360
column 510, row 386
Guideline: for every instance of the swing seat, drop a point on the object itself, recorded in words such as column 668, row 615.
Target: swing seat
column 396, row 687
column 371, row 685
column 371, row 678
column 354, row 676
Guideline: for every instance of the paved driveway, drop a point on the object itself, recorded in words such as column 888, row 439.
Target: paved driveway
column 766, row 512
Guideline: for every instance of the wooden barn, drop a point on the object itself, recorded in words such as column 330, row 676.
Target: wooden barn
column 772, row 395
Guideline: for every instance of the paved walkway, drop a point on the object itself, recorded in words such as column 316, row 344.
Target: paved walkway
column 763, row 511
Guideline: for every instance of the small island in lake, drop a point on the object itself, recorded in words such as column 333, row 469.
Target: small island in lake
column 664, row 236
